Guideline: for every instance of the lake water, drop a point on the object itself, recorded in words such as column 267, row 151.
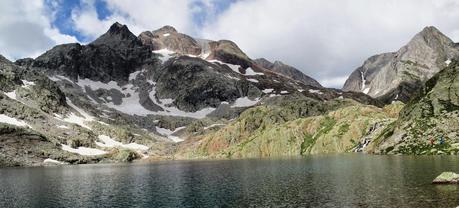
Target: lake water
column 346, row 180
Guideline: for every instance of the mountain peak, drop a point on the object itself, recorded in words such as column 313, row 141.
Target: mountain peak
column 117, row 35
column 431, row 36
column 430, row 30
column 166, row 29
column 118, row 28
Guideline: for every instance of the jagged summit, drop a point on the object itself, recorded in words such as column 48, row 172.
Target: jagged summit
column 431, row 31
column 117, row 35
column 431, row 37
column 167, row 37
column 398, row 75
column 166, row 29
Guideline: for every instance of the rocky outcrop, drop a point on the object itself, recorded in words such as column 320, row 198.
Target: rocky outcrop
column 288, row 71
column 193, row 85
column 228, row 52
column 429, row 123
column 398, row 75
column 167, row 37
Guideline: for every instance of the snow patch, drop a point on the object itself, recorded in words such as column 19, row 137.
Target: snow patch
column 266, row 91
column 213, row 125
column 204, row 55
column 12, row 95
column 249, row 71
column 244, row 102
column 284, row 92
column 110, row 142
column 315, row 92
column 366, row 90
column 166, row 34
column 447, row 62
column 165, row 53
column 166, row 101
column 49, row 160
column 253, row 80
column 131, row 104
column 95, row 85
column 83, row 150
column 59, row 78
column 13, row 121
column 169, row 134
column 134, row 75
column 233, row 67
column 231, row 77
column 73, row 118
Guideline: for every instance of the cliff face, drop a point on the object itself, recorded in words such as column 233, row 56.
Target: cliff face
column 398, row 75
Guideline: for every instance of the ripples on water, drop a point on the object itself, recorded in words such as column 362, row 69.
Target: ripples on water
column 347, row 180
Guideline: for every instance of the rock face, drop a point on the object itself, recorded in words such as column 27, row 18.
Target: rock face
column 167, row 37
column 447, row 178
column 398, row 75
column 288, row 71
column 111, row 57
column 429, row 123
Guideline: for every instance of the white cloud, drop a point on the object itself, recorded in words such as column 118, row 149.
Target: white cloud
column 25, row 29
column 329, row 38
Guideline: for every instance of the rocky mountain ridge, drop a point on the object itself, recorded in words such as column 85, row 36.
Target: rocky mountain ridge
column 166, row 95
column 123, row 97
column 399, row 75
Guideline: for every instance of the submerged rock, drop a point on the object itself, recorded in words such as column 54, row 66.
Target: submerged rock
column 447, row 178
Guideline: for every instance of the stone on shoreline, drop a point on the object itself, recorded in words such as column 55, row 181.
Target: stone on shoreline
column 447, row 178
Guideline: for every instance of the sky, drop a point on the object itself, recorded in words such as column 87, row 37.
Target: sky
column 325, row 39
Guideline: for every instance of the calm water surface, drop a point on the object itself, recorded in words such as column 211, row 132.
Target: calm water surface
column 347, row 180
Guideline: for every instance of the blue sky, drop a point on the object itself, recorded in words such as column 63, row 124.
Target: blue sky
column 64, row 23
column 63, row 15
column 326, row 40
